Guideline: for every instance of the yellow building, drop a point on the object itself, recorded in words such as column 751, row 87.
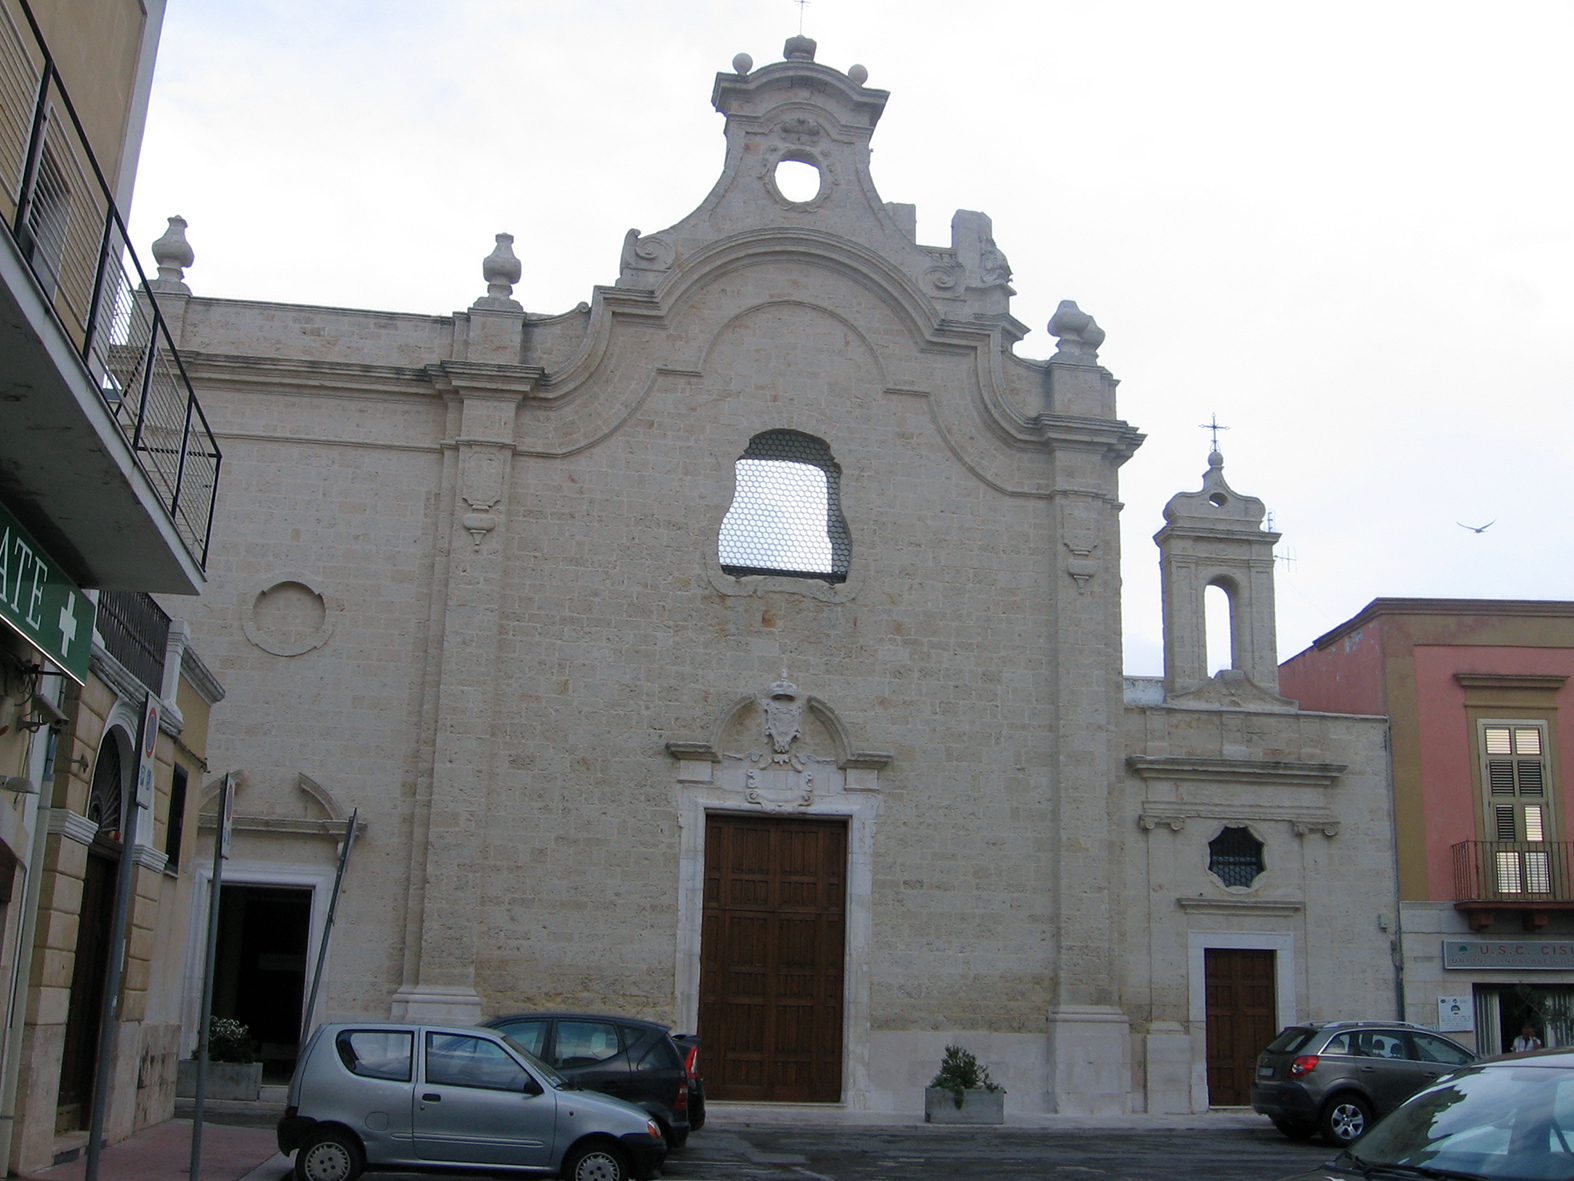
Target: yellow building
column 107, row 481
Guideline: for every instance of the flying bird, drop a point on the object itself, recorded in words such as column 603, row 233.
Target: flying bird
column 1475, row 529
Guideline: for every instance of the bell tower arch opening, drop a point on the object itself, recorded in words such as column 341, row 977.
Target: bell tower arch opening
column 1218, row 608
column 1216, row 568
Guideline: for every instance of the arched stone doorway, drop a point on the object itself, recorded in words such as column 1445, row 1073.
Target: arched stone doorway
column 79, row 1053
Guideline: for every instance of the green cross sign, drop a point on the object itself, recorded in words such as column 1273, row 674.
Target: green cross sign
column 40, row 602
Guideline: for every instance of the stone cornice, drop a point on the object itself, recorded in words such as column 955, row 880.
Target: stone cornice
column 342, row 378
column 1533, row 681
column 1257, row 906
column 1237, row 771
column 201, row 677
column 1173, row 816
column 66, row 823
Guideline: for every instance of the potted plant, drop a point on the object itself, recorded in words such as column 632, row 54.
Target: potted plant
column 234, row 1071
column 963, row 1092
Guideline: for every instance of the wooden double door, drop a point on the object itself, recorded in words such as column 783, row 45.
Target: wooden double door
column 772, row 957
column 1242, row 1020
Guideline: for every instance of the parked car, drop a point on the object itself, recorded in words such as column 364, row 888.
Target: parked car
column 399, row 1097
column 1510, row 1119
column 634, row 1060
column 689, row 1046
column 1337, row 1077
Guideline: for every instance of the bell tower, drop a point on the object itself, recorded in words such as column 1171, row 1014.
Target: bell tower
column 1214, row 537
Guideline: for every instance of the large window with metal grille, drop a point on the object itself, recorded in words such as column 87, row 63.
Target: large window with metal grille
column 786, row 514
column 1518, row 796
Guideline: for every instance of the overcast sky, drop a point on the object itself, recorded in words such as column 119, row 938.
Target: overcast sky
column 1343, row 227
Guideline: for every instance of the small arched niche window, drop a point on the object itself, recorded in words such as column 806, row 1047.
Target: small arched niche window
column 1235, row 856
column 786, row 514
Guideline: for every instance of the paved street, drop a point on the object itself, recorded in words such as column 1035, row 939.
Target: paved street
column 856, row 1154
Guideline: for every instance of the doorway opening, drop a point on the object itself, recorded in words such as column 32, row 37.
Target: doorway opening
column 95, row 918
column 1503, row 1012
column 259, row 976
column 772, row 955
column 1241, row 1019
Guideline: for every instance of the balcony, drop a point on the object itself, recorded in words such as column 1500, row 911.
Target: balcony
column 1531, row 877
column 105, row 454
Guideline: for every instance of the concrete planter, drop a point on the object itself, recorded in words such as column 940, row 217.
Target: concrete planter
column 226, row 1080
column 978, row 1107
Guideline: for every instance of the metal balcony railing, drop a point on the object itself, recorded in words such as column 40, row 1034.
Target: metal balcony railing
column 61, row 211
column 136, row 633
column 1512, row 871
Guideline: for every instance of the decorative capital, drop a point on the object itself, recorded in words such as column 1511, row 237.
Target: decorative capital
column 1079, row 334
column 173, row 254
column 501, row 270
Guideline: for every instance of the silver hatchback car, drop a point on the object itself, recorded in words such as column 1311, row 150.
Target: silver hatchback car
column 373, row 1096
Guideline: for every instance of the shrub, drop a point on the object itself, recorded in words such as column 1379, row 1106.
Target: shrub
column 230, row 1041
column 960, row 1072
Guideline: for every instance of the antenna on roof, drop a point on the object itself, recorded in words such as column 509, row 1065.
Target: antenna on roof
column 802, row 4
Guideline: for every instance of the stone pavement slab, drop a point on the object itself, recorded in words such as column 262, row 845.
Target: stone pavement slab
column 163, row 1153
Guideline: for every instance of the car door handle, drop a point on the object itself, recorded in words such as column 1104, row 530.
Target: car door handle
column 431, row 1097
column 1368, row 1069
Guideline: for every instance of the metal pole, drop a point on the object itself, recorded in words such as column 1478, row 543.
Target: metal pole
column 117, row 952
column 327, row 927
column 204, row 1015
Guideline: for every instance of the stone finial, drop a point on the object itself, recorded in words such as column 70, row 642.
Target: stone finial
column 742, row 64
column 501, row 270
column 173, row 254
column 1079, row 333
column 857, row 74
column 800, row 48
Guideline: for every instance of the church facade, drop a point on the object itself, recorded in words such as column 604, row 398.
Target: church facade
column 742, row 649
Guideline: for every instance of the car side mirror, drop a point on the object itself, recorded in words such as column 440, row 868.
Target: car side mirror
column 530, row 1086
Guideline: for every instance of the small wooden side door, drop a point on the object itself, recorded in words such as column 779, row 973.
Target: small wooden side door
column 771, row 959
column 1241, row 1019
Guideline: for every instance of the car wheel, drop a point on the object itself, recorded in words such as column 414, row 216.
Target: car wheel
column 328, row 1154
column 1294, row 1130
column 596, row 1162
column 1346, row 1119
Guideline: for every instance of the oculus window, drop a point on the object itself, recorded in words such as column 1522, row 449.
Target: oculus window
column 786, row 514
column 1235, row 856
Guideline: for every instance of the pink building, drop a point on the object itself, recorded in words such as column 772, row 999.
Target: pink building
column 1481, row 708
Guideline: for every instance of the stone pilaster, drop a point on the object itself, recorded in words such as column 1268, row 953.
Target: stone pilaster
column 452, row 814
column 1089, row 1039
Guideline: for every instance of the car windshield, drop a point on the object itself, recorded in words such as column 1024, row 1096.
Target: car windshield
column 1504, row 1123
column 537, row 1065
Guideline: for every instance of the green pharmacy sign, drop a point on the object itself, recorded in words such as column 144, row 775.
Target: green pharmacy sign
column 41, row 602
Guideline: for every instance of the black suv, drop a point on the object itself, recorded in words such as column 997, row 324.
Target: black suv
column 1337, row 1077
column 636, row 1061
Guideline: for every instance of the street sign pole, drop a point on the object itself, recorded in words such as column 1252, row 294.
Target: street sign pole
column 130, row 813
column 221, row 850
column 333, row 906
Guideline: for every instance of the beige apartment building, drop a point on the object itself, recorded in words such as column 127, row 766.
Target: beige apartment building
column 741, row 648
column 107, row 476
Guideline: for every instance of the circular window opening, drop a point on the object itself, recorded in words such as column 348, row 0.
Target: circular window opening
column 1218, row 500
column 797, row 180
column 1235, row 856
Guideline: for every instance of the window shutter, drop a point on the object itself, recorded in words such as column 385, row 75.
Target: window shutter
column 1505, row 823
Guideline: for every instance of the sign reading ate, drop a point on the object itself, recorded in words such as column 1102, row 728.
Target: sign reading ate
column 41, row 602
